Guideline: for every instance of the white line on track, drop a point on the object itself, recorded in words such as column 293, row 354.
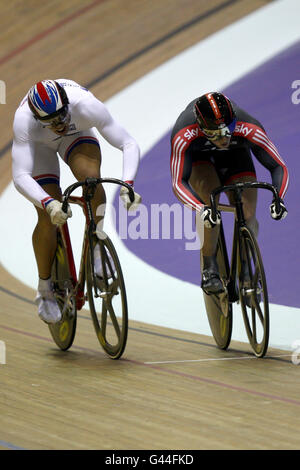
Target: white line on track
column 214, row 359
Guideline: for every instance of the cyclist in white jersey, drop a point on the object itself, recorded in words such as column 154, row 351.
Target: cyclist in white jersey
column 57, row 118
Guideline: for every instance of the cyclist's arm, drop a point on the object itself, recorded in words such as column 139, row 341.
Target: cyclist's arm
column 22, row 166
column 181, row 169
column 268, row 155
column 98, row 116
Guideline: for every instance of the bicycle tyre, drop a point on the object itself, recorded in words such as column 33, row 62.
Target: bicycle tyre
column 112, row 302
column 218, row 307
column 254, row 295
column 63, row 332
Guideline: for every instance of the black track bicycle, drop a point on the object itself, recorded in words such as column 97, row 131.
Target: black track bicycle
column 106, row 294
column 244, row 278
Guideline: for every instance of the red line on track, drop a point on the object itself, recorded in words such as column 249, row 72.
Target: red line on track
column 48, row 31
column 174, row 372
column 220, row 384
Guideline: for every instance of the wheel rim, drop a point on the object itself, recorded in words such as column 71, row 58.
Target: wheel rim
column 63, row 332
column 109, row 310
column 218, row 307
column 254, row 296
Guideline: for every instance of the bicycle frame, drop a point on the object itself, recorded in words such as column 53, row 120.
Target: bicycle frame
column 78, row 283
column 237, row 209
column 89, row 231
column 69, row 290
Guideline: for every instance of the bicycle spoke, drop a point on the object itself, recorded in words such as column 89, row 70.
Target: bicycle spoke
column 256, row 276
column 108, row 262
column 114, row 319
column 253, row 324
column 259, row 311
column 249, row 263
column 104, row 319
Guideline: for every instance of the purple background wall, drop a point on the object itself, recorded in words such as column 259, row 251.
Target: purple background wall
column 266, row 93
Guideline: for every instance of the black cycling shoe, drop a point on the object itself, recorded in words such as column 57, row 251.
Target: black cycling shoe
column 211, row 282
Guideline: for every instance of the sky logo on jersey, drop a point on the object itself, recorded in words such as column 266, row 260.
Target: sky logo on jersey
column 191, row 133
column 242, row 129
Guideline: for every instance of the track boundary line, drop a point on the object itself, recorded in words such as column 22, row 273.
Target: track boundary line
column 153, row 333
column 232, row 358
column 171, row 371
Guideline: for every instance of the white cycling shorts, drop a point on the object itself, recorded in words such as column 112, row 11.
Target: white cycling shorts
column 46, row 168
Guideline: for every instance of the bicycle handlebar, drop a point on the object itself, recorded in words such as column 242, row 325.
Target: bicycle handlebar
column 238, row 188
column 92, row 182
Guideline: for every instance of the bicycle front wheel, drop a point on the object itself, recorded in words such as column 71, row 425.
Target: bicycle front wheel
column 253, row 293
column 218, row 307
column 107, row 299
column 63, row 332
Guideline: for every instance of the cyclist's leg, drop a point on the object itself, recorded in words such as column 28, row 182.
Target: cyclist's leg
column 83, row 155
column 203, row 180
column 241, row 169
column 244, row 171
column 249, row 199
column 44, row 235
column 46, row 173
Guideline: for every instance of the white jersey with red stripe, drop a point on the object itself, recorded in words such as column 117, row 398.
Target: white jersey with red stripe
column 188, row 141
column 87, row 112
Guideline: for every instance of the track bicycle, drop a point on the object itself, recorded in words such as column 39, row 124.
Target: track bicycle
column 243, row 279
column 106, row 295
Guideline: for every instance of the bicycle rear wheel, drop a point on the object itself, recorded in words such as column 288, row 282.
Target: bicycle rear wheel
column 63, row 332
column 253, row 293
column 218, row 307
column 107, row 300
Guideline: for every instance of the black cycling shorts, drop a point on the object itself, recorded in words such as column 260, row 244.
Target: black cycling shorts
column 229, row 164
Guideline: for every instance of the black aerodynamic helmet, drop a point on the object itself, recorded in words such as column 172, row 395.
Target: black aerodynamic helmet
column 214, row 111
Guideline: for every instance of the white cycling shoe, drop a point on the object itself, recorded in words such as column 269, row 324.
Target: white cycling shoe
column 48, row 309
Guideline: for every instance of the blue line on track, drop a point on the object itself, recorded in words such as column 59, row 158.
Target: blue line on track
column 10, row 446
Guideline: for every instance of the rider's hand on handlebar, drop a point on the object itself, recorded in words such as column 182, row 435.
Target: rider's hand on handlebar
column 57, row 215
column 124, row 195
column 282, row 212
column 207, row 218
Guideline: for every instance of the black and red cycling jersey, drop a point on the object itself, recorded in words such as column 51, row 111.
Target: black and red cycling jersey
column 188, row 144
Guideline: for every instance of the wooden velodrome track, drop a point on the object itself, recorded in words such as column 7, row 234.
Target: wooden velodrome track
column 81, row 399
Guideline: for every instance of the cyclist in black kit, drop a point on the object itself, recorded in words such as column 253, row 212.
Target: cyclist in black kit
column 211, row 145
